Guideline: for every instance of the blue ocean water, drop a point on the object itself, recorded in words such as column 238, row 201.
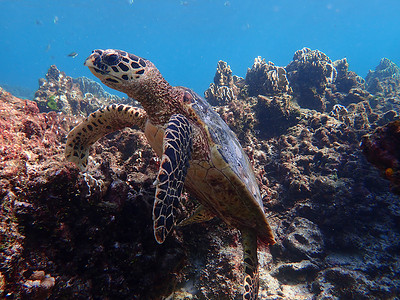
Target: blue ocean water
column 185, row 39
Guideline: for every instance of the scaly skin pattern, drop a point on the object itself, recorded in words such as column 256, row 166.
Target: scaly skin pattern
column 174, row 164
column 173, row 119
column 98, row 124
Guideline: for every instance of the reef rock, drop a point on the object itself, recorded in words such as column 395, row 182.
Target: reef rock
column 382, row 148
column 335, row 219
column 266, row 79
column 275, row 115
column 240, row 116
column 87, row 85
column 31, row 152
column 345, row 79
column 58, row 93
column 61, row 93
column 38, row 286
column 223, row 90
column 92, row 232
column 385, row 80
column 385, row 69
column 309, row 74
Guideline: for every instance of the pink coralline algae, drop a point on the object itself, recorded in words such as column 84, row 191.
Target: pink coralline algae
column 335, row 218
column 31, row 148
column 62, row 223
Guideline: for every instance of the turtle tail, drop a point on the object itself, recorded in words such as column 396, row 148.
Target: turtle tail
column 251, row 280
column 97, row 125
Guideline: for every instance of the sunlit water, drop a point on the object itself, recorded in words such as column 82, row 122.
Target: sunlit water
column 185, row 39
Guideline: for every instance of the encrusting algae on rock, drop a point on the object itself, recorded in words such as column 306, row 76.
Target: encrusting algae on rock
column 334, row 217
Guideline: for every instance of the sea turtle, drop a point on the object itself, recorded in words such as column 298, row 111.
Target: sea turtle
column 197, row 151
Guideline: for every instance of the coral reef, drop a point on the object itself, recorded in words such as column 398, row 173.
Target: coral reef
column 382, row 148
column 31, row 148
column 223, row 90
column 384, row 82
column 335, row 218
column 275, row 115
column 87, row 85
column 266, row 79
column 385, row 69
column 61, row 93
column 91, row 233
column 38, row 286
column 309, row 74
column 345, row 79
column 315, row 181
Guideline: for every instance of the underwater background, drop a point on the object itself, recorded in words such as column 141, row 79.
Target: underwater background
column 185, row 39
column 310, row 88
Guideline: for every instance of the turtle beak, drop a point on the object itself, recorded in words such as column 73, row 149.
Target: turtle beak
column 95, row 64
column 91, row 59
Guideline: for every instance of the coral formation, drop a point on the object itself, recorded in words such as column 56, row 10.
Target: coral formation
column 31, row 147
column 94, row 88
column 335, row 218
column 81, row 96
column 275, row 115
column 38, row 286
column 223, row 90
column 345, row 79
column 68, row 225
column 385, row 69
column 385, row 80
column 309, row 74
column 266, row 79
column 382, row 148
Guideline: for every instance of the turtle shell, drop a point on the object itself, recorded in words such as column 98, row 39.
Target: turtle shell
column 228, row 145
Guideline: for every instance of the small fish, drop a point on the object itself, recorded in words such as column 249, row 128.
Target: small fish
column 38, row 22
column 227, row 4
column 73, row 54
column 55, row 20
column 131, row 2
column 184, row 3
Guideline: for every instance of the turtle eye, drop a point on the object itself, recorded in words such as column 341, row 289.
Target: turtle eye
column 187, row 97
column 111, row 59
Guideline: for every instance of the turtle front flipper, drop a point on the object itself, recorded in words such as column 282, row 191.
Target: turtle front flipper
column 177, row 147
column 98, row 124
column 251, row 281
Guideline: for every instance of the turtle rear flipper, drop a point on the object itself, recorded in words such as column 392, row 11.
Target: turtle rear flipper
column 97, row 125
column 251, row 280
column 177, row 147
column 201, row 214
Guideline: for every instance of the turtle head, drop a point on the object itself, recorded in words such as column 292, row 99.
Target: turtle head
column 126, row 72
